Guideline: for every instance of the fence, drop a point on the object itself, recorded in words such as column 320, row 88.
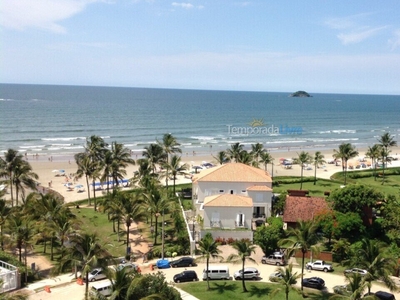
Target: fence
column 9, row 277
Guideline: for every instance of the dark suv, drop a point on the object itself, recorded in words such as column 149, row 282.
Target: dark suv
column 382, row 295
column 183, row 262
column 186, row 276
column 314, row 282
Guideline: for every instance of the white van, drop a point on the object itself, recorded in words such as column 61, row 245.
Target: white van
column 104, row 288
column 216, row 272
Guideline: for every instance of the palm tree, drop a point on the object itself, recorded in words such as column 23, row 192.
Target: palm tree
column 221, row 157
column 245, row 158
column 387, row 141
column 266, row 158
column 131, row 208
column 107, row 169
column 385, row 158
column 170, row 146
column 208, row 249
column 256, row 151
column 356, row 287
column 244, row 250
column 318, row 161
column 155, row 204
column 87, row 252
column 305, row 238
column 21, row 230
column 302, row 159
column 287, row 278
column 234, row 151
column 87, row 168
column 23, row 177
column 50, row 212
column 4, row 215
column 345, row 152
column 121, row 280
column 110, row 205
column 121, row 159
column 12, row 159
column 155, row 155
column 374, row 256
column 373, row 153
column 143, row 173
column 96, row 148
column 176, row 168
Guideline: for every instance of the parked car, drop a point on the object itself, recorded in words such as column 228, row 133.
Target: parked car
column 277, row 259
column 314, row 282
column 342, row 290
column 248, row 273
column 162, row 264
column 216, row 272
column 183, row 262
column 127, row 265
column 275, row 277
column 96, row 274
column 319, row 265
column 186, row 276
column 362, row 272
column 381, row 295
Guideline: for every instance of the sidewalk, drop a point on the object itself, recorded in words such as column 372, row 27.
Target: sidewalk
column 63, row 286
column 57, row 281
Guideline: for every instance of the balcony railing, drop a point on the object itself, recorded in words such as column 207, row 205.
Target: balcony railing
column 258, row 216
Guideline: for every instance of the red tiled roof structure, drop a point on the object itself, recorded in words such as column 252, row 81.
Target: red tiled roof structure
column 303, row 208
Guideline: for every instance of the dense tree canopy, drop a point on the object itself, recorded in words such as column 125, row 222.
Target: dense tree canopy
column 354, row 198
column 267, row 237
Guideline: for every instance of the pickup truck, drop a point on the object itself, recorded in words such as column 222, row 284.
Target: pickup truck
column 319, row 265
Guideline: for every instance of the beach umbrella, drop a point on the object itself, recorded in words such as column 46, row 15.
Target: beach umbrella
column 79, row 186
column 54, row 171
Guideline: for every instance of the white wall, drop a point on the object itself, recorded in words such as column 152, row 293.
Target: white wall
column 226, row 234
column 227, row 216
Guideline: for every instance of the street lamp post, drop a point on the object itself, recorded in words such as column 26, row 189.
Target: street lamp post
column 162, row 236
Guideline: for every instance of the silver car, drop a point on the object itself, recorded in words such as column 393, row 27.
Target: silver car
column 249, row 273
column 96, row 274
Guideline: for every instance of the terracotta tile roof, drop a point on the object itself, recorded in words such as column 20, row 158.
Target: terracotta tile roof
column 233, row 172
column 303, row 208
column 260, row 188
column 228, row 200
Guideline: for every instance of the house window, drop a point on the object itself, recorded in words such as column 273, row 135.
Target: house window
column 221, row 191
column 240, row 220
column 231, row 192
column 243, row 191
column 215, row 219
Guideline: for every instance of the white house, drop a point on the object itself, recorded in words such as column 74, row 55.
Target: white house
column 232, row 196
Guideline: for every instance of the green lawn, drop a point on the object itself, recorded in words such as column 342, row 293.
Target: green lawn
column 318, row 189
column 232, row 290
column 390, row 186
column 97, row 222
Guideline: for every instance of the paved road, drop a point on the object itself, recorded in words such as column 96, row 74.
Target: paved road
column 75, row 291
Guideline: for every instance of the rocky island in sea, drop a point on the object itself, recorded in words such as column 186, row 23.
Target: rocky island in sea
column 300, row 94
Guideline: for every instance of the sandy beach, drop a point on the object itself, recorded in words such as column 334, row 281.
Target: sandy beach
column 47, row 168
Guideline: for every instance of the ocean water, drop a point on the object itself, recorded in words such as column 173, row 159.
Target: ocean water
column 56, row 120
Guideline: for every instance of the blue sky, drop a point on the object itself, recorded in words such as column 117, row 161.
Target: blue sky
column 260, row 45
